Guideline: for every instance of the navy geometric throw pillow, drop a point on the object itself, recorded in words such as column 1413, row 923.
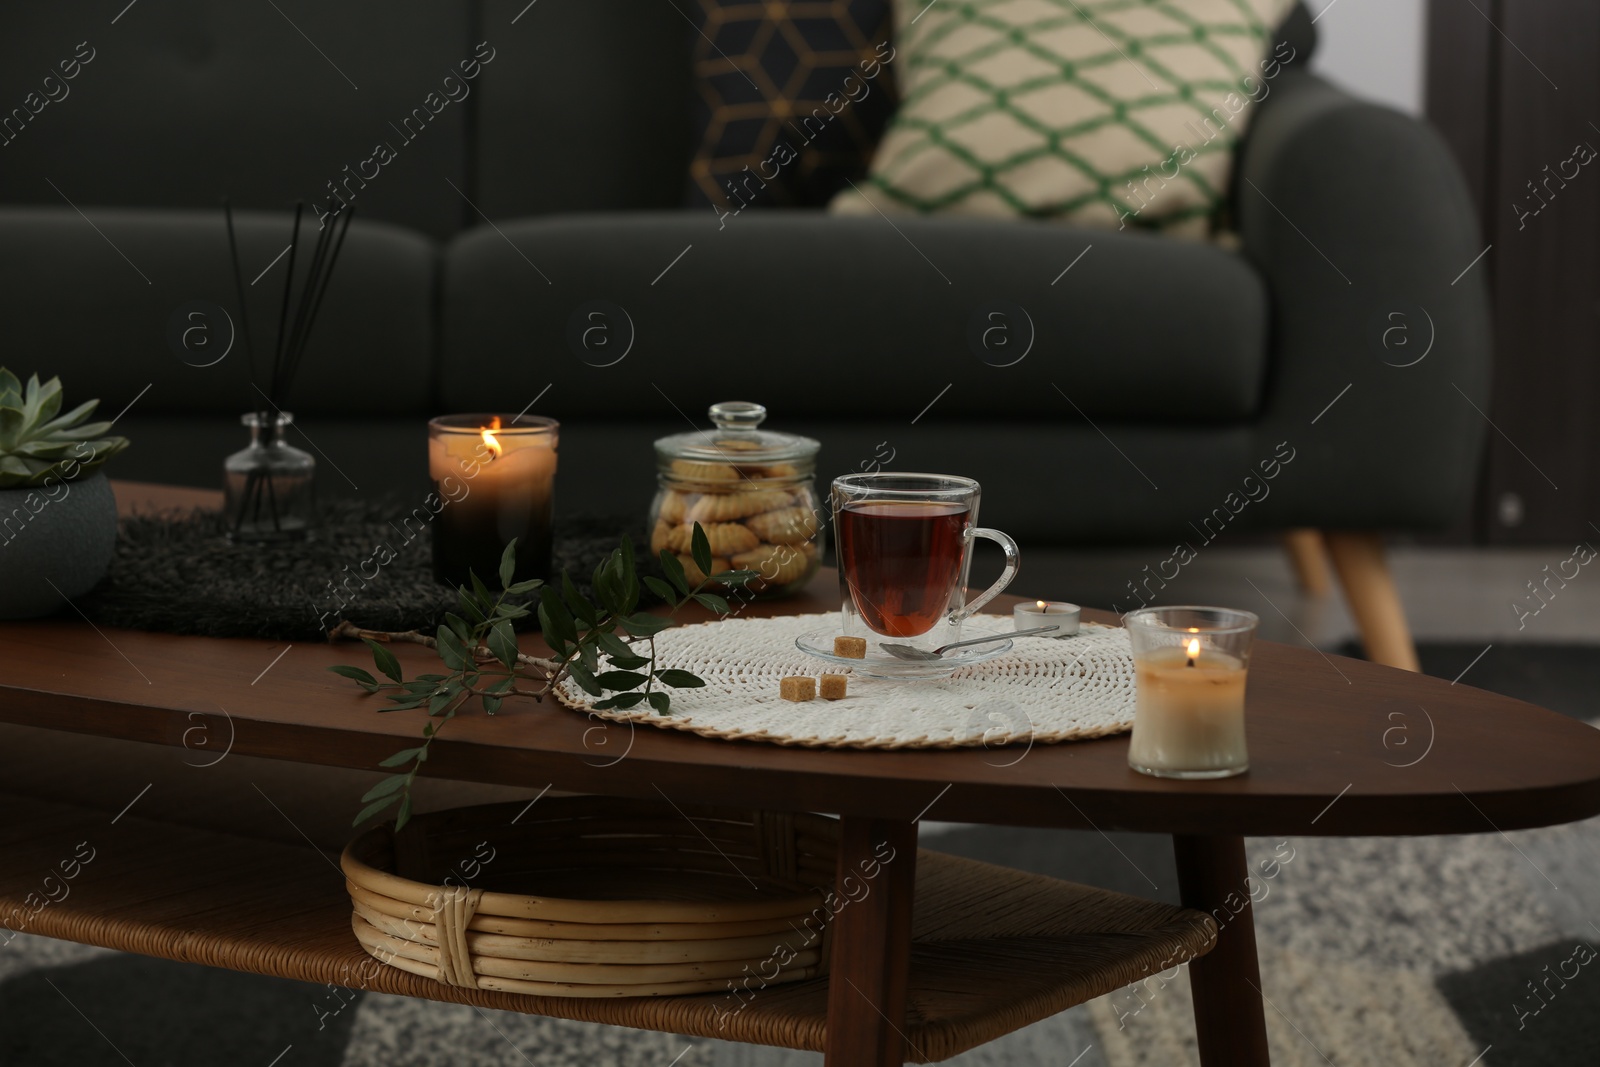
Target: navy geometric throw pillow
column 791, row 98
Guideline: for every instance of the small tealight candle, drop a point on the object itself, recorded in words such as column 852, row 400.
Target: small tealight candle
column 1190, row 667
column 1057, row 613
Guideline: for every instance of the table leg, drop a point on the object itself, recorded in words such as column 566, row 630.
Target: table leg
column 1229, row 1021
column 871, row 943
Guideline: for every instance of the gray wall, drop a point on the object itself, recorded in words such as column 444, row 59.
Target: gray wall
column 1374, row 48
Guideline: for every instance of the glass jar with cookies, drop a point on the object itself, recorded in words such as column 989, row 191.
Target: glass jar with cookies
column 754, row 493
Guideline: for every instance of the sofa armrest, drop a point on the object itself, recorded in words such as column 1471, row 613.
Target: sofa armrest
column 1360, row 221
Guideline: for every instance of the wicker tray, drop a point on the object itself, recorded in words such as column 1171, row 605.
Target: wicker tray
column 595, row 896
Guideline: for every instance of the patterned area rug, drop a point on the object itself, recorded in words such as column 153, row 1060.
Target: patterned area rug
column 1422, row 952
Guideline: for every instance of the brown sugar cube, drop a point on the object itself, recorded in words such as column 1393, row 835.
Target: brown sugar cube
column 795, row 688
column 850, row 647
column 833, row 686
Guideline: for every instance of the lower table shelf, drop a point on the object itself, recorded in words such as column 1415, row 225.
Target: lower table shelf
column 993, row 949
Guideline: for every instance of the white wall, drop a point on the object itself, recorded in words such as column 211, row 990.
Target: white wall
column 1374, row 48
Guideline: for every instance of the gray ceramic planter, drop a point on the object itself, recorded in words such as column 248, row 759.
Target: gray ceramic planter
column 54, row 545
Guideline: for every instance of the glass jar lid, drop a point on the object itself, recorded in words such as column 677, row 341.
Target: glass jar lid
column 738, row 440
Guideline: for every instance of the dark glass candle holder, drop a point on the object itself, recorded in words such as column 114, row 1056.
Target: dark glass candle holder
column 494, row 476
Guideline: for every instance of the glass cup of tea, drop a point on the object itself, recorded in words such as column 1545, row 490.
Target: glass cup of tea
column 905, row 546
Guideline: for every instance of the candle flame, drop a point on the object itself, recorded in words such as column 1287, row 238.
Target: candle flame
column 488, row 433
column 1194, row 650
column 1042, row 604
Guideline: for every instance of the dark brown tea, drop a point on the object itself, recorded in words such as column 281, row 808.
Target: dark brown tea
column 901, row 560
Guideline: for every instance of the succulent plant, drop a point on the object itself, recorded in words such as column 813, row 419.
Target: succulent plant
column 37, row 443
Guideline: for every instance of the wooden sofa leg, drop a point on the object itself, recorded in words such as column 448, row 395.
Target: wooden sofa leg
column 1309, row 558
column 1370, row 591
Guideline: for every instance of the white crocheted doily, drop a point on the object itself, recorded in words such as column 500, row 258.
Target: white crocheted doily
column 1042, row 690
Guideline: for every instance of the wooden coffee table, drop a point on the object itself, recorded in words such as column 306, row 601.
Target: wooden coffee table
column 1319, row 766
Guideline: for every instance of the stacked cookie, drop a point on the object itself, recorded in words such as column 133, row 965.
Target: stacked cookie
column 756, row 517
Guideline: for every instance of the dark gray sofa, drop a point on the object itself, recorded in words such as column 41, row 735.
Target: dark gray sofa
column 1162, row 375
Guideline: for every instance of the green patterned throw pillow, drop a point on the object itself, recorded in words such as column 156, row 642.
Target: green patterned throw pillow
column 1117, row 113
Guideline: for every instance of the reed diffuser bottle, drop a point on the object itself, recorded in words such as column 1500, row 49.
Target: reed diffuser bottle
column 268, row 487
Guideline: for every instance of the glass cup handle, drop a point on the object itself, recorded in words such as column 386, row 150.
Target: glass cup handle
column 1013, row 558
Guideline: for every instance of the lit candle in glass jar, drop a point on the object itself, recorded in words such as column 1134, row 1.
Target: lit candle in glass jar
column 1190, row 667
column 493, row 480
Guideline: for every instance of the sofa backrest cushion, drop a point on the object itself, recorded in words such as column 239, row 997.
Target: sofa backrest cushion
column 142, row 305
column 172, row 104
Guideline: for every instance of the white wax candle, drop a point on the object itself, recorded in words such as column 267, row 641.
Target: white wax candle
column 1189, row 720
column 1032, row 613
column 526, row 465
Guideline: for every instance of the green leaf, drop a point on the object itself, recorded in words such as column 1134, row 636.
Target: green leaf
column 384, row 659
column 356, row 674
column 452, row 650
column 615, row 680
column 621, row 653
column 481, row 591
column 404, row 703
column 71, row 420
column 644, row 624
column 584, row 678
column 554, row 618
column 385, row 787
column 736, row 578
column 614, row 646
column 503, row 685
column 576, row 602
column 604, row 586
column 661, row 702
column 621, row 700
column 403, row 816
column 630, row 578
column 372, row 809
column 491, row 704
column 589, row 655
column 680, row 679
column 712, row 602
column 469, row 605
column 503, row 643
column 524, row 587
column 459, row 625
column 441, row 700
column 661, row 589
column 672, row 567
column 401, row 758
column 508, row 564
column 700, row 549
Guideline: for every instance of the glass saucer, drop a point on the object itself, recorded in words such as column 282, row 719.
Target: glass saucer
column 880, row 664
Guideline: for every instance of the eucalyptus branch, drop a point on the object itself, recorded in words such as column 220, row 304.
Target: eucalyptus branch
column 579, row 630
column 349, row 630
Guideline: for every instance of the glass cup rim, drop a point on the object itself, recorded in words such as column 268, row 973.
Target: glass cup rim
column 475, row 422
column 1146, row 618
column 940, row 484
